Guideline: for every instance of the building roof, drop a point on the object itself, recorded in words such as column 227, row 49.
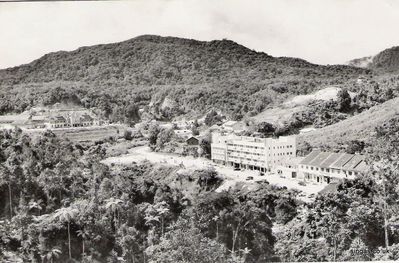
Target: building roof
column 58, row 118
column 38, row 118
column 344, row 161
column 310, row 157
column 192, row 138
column 352, row 163
column 319, row 159
column 86, row 117
column 330, row 160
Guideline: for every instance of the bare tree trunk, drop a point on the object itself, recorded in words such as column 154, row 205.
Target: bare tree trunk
column 69, row 241
column 162, row 230
column 235, row 234
column 385, row 216
column 10, row 197
column 335, row 248
column 83, row 246
column 217, row 231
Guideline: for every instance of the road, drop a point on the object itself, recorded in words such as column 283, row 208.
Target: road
column 142, row 153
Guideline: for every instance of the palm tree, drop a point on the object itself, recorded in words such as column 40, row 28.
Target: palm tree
column 162, row 212
column 216, row 219
column 114, row 205
column 66, row 214
column 35, row 205
column 83, row 234
column 52, row 254
column 245, row 253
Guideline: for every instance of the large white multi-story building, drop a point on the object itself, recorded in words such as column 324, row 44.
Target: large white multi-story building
column 253, row 153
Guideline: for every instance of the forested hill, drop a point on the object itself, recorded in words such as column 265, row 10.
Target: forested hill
column 386, row 61
column 197, row 75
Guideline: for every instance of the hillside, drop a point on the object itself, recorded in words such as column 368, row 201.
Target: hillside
column 195, row 75
column 387, row 61
column 361, row 62
column 285, row 111
column 359, row 127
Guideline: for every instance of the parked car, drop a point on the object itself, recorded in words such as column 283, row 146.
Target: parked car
column 261, row 173
column 250, row 178
column 302, row 183
column 237, row 169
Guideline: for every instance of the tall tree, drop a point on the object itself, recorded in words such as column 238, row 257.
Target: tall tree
column 66, row 215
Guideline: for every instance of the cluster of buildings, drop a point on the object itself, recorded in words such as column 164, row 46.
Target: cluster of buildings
column 72, row 118
column 55, row 118
column 279, row 155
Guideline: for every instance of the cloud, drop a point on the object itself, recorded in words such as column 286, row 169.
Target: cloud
column 326, row 32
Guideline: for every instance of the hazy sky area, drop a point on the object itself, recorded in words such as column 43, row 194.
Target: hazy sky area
column 320, row 31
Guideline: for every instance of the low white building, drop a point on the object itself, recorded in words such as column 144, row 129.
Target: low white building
column 251, row 152
column 326, row 167
column 185, row 134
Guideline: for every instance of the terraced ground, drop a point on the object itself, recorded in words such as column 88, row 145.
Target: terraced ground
column 86, row 134
column 91, row 134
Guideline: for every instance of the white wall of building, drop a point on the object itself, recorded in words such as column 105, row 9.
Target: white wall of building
column 253, row 152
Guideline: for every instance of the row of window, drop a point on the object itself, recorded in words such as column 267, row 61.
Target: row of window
column 281, row 154
column 281, row 147
column 242, row 152
column 328, row 170
column 245, row 156
column 246, row 146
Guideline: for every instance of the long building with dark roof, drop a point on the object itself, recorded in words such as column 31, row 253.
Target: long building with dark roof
column 326, row 167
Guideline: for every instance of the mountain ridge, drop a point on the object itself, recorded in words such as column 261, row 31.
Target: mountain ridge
column 198, row 75
column 386, row 61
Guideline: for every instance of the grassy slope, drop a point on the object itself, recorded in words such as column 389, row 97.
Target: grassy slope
column 283, row 112
column 359, row 127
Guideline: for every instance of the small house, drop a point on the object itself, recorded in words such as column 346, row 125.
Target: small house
column 185, row 134
column 192, row 141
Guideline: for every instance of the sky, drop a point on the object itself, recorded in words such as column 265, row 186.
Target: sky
column 320, row 31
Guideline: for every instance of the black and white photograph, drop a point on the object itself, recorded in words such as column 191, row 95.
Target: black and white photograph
column 199, row 131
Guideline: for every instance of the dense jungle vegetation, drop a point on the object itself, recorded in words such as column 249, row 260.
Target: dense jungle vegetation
column 59, row 203
column 195, row 76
